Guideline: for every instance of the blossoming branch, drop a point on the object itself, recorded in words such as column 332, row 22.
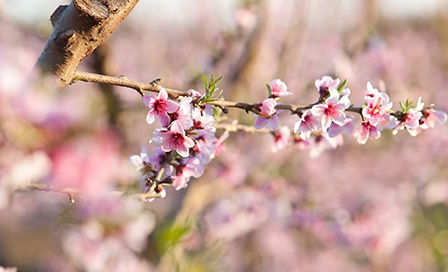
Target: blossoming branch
column 186, row 139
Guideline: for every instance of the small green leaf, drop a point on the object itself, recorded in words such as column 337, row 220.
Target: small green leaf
column 342, row 86
column 401, row 106
column 269, row 89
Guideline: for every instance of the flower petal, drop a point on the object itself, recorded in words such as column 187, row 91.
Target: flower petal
column 260, row 122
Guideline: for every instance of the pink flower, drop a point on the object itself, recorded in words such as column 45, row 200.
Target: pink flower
column 191, row 168
column 411, row 120
column 432, row 117
column 157, row 158
column 332, row 110
column 183, row 113
column 377, row 106
column 194, row 93
column 142, row 162
column 159, row 106
column 347, row 128
column 204, row 149
column 281, row 139
column 278, row 88
column 202, row 119
column 180, row 181
column 366, row 131
column 269, row 119
column 326, row 83
column 306, row 124
column 175, row 139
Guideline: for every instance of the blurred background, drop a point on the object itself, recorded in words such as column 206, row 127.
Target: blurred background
column 382, row 206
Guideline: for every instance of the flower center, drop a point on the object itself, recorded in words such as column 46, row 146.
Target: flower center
column 197, row 124
column 160, row 106
column 177, row 139
column 330, row 110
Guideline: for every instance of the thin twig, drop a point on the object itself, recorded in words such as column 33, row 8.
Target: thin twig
column 155, row 86
column 122, row 81
column 46, row 188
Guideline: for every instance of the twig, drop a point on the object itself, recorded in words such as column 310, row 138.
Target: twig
column 124, row 82
column 46, row 188
column 155, row 86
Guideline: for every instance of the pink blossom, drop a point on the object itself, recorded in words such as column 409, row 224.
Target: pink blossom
column 322, row 142
column 194, row 93
column 202, row 119
column 366, row 131
column 183, row 113
column 306, row 124
column 326, row 83
column 269, row 119
column 300, row 143
column 278, row 88
column 140, row 161
column 190, row 168
column 159, row 106
column 318, row 143
column 157, row 158
column 204, row 149
column 411, row 120
column 332, row 110
column 377, row 106
column 175, row 139
column 180, row 181
column 432, row 117
column 347, row 128
column 281, row 139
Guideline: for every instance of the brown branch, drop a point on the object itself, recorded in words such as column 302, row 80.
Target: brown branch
column 78, row 29
column 155, row 86
column 46, row 188
column 124, row 82
column 71, row 193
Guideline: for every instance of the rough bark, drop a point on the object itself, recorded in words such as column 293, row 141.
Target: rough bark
column 79, row 28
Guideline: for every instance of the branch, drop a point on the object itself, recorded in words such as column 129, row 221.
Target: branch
column 155, row 87
column 124, row 82
column 78, row 29
column 71, row 193
column 46, row 188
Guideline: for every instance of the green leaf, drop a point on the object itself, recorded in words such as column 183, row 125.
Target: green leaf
column 171, row 235
column 269, row 89
column 342, row 86
column 204, row 80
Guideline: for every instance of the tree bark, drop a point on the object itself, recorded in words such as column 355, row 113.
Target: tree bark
column 78, row 29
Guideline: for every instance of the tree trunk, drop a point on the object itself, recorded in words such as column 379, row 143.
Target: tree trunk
column 78, row 29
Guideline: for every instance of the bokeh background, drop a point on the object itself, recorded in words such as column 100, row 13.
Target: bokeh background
column 382, row 206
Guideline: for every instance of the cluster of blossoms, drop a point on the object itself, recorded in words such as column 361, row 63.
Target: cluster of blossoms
column 186, row 140
column 320, row 124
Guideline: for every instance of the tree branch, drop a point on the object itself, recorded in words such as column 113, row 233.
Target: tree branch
column 155, row 86
column 78, row 29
